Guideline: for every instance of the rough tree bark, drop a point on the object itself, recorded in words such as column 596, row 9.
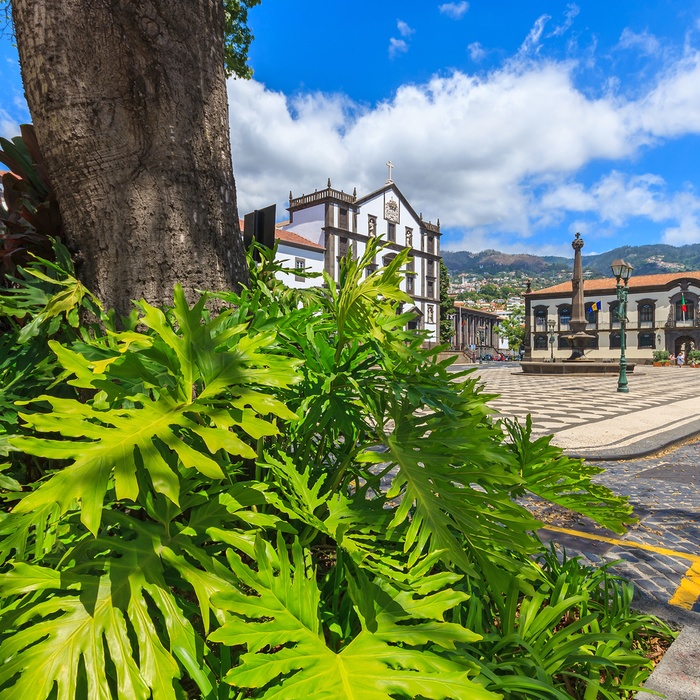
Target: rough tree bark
column 130, row 108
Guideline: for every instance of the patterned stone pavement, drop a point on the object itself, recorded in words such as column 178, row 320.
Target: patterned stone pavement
column 665, row 493
column 664, row 488
column 565, row 401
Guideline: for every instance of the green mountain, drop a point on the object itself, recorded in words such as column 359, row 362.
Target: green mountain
column 646, row 260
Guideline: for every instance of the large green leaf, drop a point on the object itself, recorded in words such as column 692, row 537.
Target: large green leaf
column 548, row 473
column 397, row 652
column 213, row 405
column 111, row 623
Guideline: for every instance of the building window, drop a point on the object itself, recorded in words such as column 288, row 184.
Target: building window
column 431, row 268
column 299, row 265
column 646, row 316
column 563, row 343
column 614, row 319
column 685, row 317
column 409, row 284
column 541, row 318
column 646, row 340
column 431, row 289
column 431, row 244
column 615, row 340
column 592, row 343
column 564, row 318
column 370, row 269
column 391, row 232
column 591, row 316
column 409, row 237
column 343, row 219
column 541, row 342
column 342, row 247
column 372, row 225
column 411, row 265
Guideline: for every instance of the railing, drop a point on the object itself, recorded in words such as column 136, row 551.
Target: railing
column 319, row 196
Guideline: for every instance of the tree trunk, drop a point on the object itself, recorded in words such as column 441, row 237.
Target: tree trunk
column 129, row 103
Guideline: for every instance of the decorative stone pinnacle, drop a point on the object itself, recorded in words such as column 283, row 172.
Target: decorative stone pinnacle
column 329, row 183
column 577, row 243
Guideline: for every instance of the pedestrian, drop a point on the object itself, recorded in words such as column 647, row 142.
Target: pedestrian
column 681, row 358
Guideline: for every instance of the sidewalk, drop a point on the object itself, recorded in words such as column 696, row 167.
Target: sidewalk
column 589, row 418
column 661, row 553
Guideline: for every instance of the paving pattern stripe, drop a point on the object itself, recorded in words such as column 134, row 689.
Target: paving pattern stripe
column 688, row 593
column 626, row 543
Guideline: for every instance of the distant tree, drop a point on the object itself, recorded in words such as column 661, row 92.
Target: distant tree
column 446, row 305
column 513, row 328
column 130, row 108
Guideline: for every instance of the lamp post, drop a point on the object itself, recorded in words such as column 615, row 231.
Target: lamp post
column 481, row 343
column 551, row 325
column 622, row 271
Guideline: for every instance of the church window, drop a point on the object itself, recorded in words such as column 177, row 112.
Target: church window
column 391, row 232
column 299, row 265
column 431, row 289
column 343, row 219
column 431, row 244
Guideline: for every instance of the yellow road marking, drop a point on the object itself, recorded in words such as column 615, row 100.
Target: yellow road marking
column 624, row 543
column 687, row 593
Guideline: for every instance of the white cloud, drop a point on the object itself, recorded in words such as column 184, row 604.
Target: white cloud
column 396, row 47
column 572, row 11
column 499, row 152
column 687, row 231
column 476, row 51
column 9, row 127
column 618, row 199
column 644, row 42
column 454, row 10
column 672, row 108
column 404, row 29
column 531, row 45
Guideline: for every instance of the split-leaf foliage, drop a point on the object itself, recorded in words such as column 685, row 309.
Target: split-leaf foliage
column 288, row 498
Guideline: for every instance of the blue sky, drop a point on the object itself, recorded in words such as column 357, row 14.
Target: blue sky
column 516, row 123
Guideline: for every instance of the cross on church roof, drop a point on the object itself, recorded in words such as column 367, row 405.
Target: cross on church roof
column 389, row 165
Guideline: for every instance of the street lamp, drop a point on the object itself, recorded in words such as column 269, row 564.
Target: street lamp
column 551, row 325
column 622, row 271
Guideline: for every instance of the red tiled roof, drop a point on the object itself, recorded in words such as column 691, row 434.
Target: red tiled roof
column 288, row 236
column 608, row 284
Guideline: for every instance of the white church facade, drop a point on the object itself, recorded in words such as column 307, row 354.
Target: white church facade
column 324, row 226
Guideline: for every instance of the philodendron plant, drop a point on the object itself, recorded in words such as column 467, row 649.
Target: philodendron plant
column 212, row 518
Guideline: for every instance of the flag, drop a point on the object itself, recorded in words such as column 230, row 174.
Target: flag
column 596, row 306
column 684, row 306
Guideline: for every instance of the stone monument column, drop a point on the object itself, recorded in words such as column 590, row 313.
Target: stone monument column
column 578, row 321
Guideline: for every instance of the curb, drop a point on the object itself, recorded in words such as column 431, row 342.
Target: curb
column 678, row 674
column 644, row 448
